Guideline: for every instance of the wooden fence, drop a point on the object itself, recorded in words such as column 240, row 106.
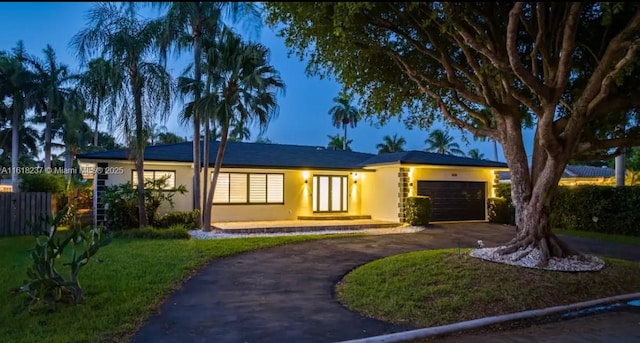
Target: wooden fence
column 18, row 209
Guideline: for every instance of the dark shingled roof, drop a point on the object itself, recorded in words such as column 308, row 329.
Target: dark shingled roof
column 574, row 171
column 421, row 157
column 243, row 154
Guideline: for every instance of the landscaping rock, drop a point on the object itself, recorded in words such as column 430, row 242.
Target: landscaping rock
column 529, row 258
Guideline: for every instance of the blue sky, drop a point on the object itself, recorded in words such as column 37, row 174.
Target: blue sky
column 303, row 117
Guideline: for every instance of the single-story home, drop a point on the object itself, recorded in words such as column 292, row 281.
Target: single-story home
column 261, row 181
column 576, row 175
column 5, row 185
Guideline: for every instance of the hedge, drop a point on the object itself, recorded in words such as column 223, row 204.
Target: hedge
column 604, row 209
column 417, row 210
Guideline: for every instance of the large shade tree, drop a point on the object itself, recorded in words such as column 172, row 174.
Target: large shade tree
column 441, row 142
column 145, row 86
column 344, row 114
column 569, row 67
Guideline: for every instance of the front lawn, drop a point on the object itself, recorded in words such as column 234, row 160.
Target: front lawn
column 120, row 293
column 601, row 236
column 437, row 287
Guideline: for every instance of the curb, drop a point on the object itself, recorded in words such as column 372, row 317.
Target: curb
column 477, row 323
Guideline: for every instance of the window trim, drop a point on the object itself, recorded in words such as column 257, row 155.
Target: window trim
column 248, row 202
column 175, row 176
column 316, row 193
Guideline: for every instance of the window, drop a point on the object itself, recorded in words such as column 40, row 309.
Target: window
column 249, row 188
column 156, row 175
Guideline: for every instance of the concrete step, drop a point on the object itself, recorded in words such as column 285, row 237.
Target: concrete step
column 334, row 217
column 288, row 229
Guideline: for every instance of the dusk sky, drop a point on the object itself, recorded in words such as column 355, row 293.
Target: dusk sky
column 303, row 117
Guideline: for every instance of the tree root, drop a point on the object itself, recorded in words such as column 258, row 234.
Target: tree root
column 550, row 246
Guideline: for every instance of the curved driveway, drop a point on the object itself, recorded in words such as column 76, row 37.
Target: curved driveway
column 285, row 294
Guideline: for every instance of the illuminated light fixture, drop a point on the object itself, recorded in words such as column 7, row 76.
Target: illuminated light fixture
column 305, row 176
column 410, row 184
column 355, row 177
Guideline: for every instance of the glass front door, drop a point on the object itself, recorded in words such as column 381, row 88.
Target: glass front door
column 329, row 193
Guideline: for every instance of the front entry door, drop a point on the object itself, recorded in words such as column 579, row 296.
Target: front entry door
column 329, row 193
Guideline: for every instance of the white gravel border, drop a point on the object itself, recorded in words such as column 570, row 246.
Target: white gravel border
column 199, row 234
column 588, row 263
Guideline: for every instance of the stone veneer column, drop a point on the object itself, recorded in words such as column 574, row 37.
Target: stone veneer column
column 100, row 186
column 403, row 191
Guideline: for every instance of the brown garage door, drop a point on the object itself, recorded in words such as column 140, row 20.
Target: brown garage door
column 455, row 200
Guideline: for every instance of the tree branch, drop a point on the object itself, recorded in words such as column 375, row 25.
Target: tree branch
column 568, row 46
column 632, row 139
column 594, row 85
column 514, row 57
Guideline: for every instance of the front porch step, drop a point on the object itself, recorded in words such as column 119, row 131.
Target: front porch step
column 303, row 228
column 334, row 217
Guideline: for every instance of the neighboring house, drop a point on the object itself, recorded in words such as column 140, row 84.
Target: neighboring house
column 576, row 175
column 287, row 182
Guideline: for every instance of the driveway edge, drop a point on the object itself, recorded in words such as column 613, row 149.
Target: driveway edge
column 480, row 322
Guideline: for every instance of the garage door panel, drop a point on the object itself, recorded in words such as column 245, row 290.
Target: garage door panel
column 455, row 200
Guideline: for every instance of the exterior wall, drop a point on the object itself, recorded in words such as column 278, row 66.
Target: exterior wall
column 184, row 176
column 298, row 199
column 381, row 193
column 452, row 174
column 297, row 194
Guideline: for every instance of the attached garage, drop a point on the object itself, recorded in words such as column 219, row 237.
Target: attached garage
column 455, row 200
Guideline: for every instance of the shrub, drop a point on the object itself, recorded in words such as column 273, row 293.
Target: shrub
column 121, row 202
column 187, row 218
column 43, row 182
column 45, row 285
column 605, row 209
column 500, row 211
column 417, row 210
column 173, row 232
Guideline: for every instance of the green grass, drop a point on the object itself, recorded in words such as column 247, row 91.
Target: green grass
column 431, row 288
column 120, row 293
column 601, row 236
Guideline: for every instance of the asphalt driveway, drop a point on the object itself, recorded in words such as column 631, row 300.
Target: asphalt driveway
column 285, row 294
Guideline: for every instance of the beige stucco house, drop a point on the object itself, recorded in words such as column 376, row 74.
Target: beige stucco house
column 286, row 182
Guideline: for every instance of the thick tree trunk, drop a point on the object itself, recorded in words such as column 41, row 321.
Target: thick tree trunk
column 532, row 193
column 214, row 179
column 47, row 140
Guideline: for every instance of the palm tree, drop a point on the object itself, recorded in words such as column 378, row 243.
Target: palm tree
column 52, row 78
column 246, row 93
column 343, row 114
column 153, row 132
column 169, row 138
column 337, row 143
column 18, row 88
column 475, row 153
column 97, row 84
column 74, row 132
column 441, row 143
column 145, row 87
column 185, row 25
column 239, row 132
column 391, row 144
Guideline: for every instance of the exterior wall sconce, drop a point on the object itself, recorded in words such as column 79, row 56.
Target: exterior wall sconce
column 355, row 178
column 305, row 176
column 410, row 184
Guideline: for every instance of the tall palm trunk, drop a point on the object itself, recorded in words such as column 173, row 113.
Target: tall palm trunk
column 47, row 139
column 495, row 150
column 214, row 179
column 207, row 138
column 97, row 121
column 197, row 52
column 140, row 140
column 15, row 142
column 344, row 142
